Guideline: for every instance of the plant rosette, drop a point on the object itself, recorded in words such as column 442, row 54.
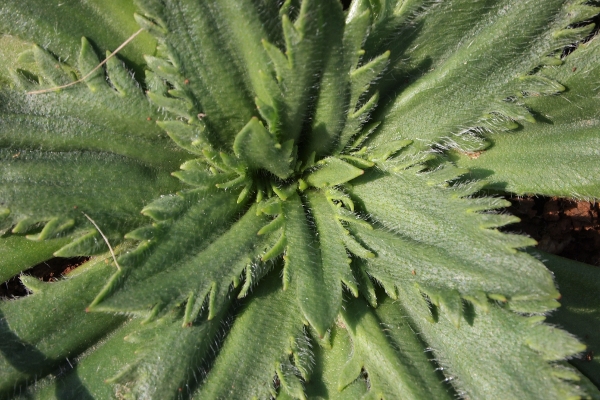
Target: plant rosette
column 320, row 193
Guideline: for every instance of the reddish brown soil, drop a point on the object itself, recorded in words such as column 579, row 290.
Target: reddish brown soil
column 563, row 227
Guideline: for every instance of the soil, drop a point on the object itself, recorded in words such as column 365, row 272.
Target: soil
column 567, row 228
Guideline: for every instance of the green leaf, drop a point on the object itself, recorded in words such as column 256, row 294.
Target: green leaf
column 396, row 364
column 318, row 292
column 209, row 58
column 300, row 131
column 19, row 253
column 60, row 26
column 442, row 78
column 167, row 341
column 469, row 355
column 273, row 315
column 29, row 179
column 441, row 249
column 196, row 267
column 333, row 171
column 333, row 90
column 330, row 368
column 580, row 307
column 42, row 331
column 259, row 149
column 556, row 156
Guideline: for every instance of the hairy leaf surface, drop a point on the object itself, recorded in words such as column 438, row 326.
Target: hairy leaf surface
column 291, row 227
column 558, row 155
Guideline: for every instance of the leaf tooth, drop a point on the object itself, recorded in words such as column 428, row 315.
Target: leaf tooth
column 279, row 60
column 355, row 121
column 539, row 85
column 248, row 280
column 201, row 179
column 273, row 226
column 333, row 172
column 565, row 373
column 33, row 284
column 165, row 70
column 156, row 29
column 166, row 207
column 335, row 194
column 293, row 34
column 552, row 343
column 285, row 191
column 367, row 130
column 106, row 290
column 154, row 312
column 53, row 228
column 354, row 35
column 125, row 374
column 188, row 316
column 432, row 294
column 351, row 371
column 147, row 232
column 22, row 82
column 120, row 77
column 88, row 60
column 386, row 150
column 364, row 76
column 479, row 299
column 512, row 241
column 214, row 301
column 133, row 258
column 514, row 110
column 495, row 122
column 213, row 159
column 350, row 217
column 477, row 204
column 451, row 304
column 542, row 305
column 287, row 274
column 25, row 225
column 389, row 288
column 487, row 220
column 358, row 162
column 552, row 61
column 245, row 192
column 442, row 176
column 277, row 249
column 536, row 319
column 232, row 183
column 233, row 163
column 567, row 36
column 356, row 248
column 303, row 357
column 88, row 244
column 289, row 380
column 271, row 206
column 51, row 70
column 269, row 114
column 498, row 297
column 177, row 106
column 365, row 285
